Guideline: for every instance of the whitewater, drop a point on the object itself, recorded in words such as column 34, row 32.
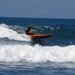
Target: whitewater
column 23, row 51
column 14, row 53
column 5, row 32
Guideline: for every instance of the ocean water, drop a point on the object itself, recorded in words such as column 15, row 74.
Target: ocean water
column 22, row 55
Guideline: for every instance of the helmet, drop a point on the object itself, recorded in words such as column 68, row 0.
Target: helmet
column 29, row 27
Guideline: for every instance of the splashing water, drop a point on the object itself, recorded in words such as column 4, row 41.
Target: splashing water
column 11, row 34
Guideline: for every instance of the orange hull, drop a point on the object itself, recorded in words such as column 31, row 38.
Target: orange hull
column 41, row 36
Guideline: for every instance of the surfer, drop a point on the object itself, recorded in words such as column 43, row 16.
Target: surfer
column 29, row 31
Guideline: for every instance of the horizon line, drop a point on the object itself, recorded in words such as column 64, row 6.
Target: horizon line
column 34, row 17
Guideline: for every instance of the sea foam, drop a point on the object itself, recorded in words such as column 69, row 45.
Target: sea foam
column 37, row 53
column 5, row 31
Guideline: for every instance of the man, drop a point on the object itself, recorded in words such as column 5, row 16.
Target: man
column 29, row 31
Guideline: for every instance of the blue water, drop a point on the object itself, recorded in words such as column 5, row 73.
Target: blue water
column 22, row 55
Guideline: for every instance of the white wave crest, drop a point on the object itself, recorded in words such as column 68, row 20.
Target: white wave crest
column 5, row 31
column 37, row 53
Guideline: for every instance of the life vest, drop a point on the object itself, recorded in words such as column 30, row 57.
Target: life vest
column 30, row 31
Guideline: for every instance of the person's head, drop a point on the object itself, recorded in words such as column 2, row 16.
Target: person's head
column 29, row 28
